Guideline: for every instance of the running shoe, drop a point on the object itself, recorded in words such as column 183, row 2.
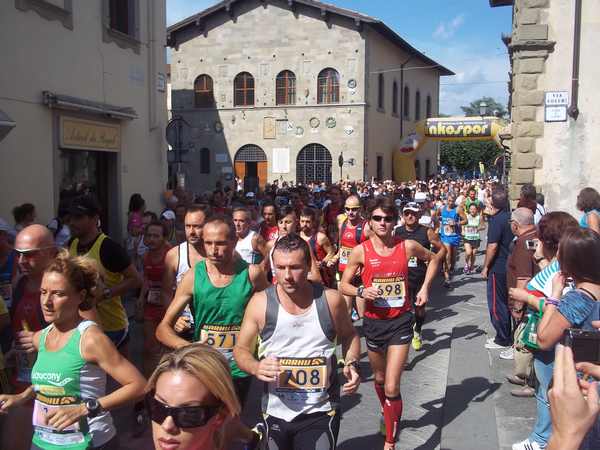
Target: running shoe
column 526, row 445
column 259, row 441
column 417, row 342
column 447, row 284
column 509, row 353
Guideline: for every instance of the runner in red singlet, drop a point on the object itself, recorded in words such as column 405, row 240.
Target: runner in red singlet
column 268, row 227
column 388, row 320
column 352, row 231
column 331, row 212
column 319, row 244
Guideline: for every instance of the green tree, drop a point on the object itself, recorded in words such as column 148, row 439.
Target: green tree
column 466, row 155
column 493, row 108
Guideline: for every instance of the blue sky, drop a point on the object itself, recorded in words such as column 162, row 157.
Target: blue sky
column 463, row 35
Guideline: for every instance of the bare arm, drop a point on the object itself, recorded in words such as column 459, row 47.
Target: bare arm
column 594, row 222
column 434, row 239
column 97, row 348
column 259, row 245
column 165, row 332
column 131, row 280
column 243, row 352
column 314, row 274
column 258, row 277
column 327, row 246
column 169, row 275
column 355, row 261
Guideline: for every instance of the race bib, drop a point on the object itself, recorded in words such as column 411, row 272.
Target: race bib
column 6, row 293
column 471, row 230
column 303, row 380
column 413, row 261
column 221, row 337
column 449, row 227
column 154, row 296
column 391, row 291
column 43, row 405
column 345, row 255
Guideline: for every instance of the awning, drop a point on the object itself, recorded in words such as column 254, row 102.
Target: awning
column 6, row 124
column 78, row 104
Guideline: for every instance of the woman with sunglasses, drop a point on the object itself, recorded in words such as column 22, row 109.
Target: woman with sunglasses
column 74, row 356
column 191, row 398
column 388, row 319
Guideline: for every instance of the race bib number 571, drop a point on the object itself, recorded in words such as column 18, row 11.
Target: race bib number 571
column 221, row 337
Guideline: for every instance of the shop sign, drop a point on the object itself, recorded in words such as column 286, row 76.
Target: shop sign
column 89, row 135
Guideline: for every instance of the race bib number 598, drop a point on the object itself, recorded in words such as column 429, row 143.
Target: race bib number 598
column 391, row 291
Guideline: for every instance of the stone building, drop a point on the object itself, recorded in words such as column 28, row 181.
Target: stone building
column 280, row 89
column 84, row 86
column 554, row 117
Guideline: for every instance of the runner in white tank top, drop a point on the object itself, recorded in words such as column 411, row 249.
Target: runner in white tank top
column 250, row 245
column 298, row 322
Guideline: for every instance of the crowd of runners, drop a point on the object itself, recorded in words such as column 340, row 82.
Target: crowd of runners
column 235, row 285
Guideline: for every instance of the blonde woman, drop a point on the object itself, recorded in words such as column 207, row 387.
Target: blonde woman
column 75, row 355
column 191, row 400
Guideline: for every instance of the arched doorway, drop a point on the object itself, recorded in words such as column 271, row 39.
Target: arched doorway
column 250, row 164
column 313, row 164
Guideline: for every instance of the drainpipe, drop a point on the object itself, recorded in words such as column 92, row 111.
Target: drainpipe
column 574, row 109
column 402, row 96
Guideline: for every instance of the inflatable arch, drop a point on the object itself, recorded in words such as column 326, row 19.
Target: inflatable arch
column 442, row 129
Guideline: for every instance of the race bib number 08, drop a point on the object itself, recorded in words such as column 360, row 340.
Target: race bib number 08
column 391, row 291
column 221, row 337
column 303, row 374
column 155, row 296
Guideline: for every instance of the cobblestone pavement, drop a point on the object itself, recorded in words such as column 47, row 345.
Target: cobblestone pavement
column 474, row 411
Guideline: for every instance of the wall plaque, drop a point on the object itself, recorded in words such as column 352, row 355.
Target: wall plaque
column 269, row 128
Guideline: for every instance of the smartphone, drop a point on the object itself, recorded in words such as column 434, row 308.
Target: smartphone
column 530, row 244
column 585, row 344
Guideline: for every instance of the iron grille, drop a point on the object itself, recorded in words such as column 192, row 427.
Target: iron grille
column 250, row 153
column 313, row 164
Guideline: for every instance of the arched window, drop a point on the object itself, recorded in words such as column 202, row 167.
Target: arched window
column 380, row 91
column 406, row 106
column 243, row 89
column 204, row 160
column 418, row 106
column 313, row 164
column 428, row 106
column 395, row 98
column 203, row 92
column 285, row 88
column 328, row 86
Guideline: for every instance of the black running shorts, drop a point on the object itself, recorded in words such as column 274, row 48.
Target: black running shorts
column 381, row 333
column 317, row 431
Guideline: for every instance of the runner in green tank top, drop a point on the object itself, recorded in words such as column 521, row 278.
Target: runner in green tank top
column 74, row 357
column 217, row 290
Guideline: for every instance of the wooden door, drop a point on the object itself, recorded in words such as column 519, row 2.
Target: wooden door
column 262, row 167
column 240, row 169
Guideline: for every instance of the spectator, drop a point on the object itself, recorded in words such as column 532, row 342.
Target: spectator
column 59, row 226
column 588, row 201
column 24, row 216
column 494, row 269
column 520, row 269
column 528, row 199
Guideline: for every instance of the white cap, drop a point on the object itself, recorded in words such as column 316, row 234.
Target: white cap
column 168, row 214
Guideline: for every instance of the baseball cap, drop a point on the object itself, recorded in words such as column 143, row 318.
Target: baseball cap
column 412, row 206
column 250, row 194
column 85, row 205
column 168, row 214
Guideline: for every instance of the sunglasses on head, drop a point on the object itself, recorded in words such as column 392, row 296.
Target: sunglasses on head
column 352, row 208
column 387, row 219
column 31, row 251
column 183, row 416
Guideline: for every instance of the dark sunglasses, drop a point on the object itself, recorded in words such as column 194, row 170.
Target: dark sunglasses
column 357, row 208
column 387, row 219
column 183, row 416
column 410, row 213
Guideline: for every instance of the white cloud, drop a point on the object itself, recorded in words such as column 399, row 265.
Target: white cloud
column 445, row 30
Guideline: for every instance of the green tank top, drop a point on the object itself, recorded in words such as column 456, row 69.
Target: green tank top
column 56, row 379
column 218, row 312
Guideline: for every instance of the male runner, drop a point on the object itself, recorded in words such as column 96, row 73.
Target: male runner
column 318, row 242
column 388, row 320
column 427, row 237
column 250, row 245
column 331, row 212
column 217, row 290
column 182, row 257
column 298, row 323
column 268, row 227
column 353, row 231
column 119, row 274
column 34, row 249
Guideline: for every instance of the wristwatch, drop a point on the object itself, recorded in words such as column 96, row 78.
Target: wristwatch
column 93, row 406
column 360, row 291
column 106, row 293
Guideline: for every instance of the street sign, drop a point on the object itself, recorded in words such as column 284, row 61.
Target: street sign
column 555, row 106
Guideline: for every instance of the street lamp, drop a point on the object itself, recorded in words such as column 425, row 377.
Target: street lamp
column 483, row 108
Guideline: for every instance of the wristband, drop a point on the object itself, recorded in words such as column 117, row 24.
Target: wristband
column 552, row 301
column 360, row 291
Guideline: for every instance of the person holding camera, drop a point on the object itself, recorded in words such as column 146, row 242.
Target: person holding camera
column 577, row 308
